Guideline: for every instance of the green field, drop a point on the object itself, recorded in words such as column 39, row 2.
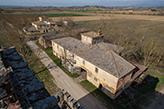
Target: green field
column 159, row 76
column 48, row 14
column 1, row 26
column 63, row 15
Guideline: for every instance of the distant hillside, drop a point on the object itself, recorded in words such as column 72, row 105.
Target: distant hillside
column 103, row 8
column 10, row 9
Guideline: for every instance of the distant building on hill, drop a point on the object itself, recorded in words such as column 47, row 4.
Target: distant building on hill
column 43, row 25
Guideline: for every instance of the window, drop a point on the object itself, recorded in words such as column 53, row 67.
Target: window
column 108, row 88
column 84, row 62
column 95, row 79
column 58, row 48
column 72, row 55
column 96, row 69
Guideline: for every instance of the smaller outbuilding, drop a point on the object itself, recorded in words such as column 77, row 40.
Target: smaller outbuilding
column 45, row 40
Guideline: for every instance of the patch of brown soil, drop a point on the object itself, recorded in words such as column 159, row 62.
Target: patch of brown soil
column 113, row 16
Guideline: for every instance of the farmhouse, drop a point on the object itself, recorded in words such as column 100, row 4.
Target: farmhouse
column 43, row 25
column 97, row 62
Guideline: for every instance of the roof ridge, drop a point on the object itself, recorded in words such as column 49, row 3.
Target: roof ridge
column 118, row 74
column 90, row 50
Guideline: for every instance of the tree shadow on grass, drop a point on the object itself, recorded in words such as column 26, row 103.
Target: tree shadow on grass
column 140, row 96
column 49, row 66
column 41, row 70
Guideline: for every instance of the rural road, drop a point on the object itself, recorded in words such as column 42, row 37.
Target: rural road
column 63, row 81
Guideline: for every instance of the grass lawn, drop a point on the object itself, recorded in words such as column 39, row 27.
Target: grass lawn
column 131, row 98
column 57, row 61
column 158, row 75
column 161, row 69
column 4, row 40
column 44, row 75
column 63, row 15
column 108, row 102
column 2, row 32
column 88, row 86
column 1, row 26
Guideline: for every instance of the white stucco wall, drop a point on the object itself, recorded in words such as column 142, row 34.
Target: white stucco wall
column 86, row 39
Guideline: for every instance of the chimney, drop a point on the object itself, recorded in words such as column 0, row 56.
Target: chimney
column 99, row 32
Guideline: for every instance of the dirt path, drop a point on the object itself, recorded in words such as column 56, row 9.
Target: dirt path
column 113, row 16
column 63, row 81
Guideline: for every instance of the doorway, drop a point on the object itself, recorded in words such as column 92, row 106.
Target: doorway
column 100, row 86
column 84, row 73
column 83, row 70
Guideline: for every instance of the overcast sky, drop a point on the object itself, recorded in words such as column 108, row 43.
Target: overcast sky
column 59, row 3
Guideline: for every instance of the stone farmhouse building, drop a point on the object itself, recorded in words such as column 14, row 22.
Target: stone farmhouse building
column 97, row 62
column 43, row 25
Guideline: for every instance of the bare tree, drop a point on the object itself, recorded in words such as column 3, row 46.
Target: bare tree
column 123, row 37
column 16, row 39
column 152, row 54
column 14, row 36
column 140, row 48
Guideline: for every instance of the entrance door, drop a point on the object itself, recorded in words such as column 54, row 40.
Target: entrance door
column 100, row 86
